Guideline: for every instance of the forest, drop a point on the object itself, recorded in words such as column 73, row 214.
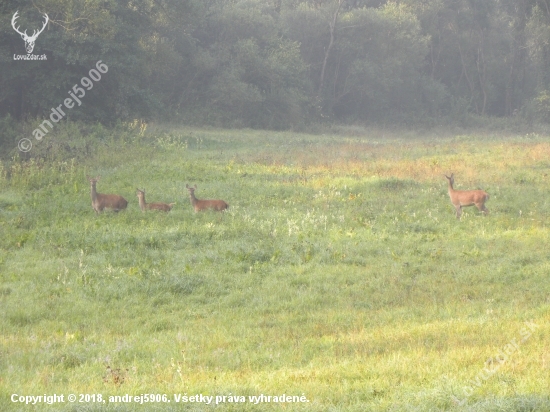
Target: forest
column 280, row 64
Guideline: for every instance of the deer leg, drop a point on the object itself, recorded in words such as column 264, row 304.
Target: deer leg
column 458, row 211
column 481, row 207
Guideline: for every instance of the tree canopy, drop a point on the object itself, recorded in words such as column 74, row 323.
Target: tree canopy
column 279, row 63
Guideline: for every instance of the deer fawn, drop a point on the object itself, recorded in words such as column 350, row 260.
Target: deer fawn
column 101, row 201
column 461, row 198
column 152, row 206
column 199, row 205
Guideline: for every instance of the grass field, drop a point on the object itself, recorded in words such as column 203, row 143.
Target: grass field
column 339, row 274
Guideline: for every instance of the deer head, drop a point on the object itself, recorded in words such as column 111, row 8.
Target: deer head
column 29, row 40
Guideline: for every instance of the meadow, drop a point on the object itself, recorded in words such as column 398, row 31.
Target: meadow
column 339, row 273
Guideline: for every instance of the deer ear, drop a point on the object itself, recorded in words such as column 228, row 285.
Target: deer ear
column 195, row 186
column 186, row 186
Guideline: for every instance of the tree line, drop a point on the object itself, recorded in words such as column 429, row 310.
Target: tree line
column 280, row 63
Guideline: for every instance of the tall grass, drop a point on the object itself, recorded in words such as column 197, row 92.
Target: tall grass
column 338, row 272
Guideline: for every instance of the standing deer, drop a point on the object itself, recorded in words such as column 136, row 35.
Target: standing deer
column 461, row 198
column 152, row 206
column 101, row 201
column 199, row 205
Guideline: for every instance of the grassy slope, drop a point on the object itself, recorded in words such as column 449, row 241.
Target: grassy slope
column 339, row 272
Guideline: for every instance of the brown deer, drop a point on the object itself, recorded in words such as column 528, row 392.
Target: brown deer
column 101, row 201
column 460, row 198
column 199, row 205
column 152, row 206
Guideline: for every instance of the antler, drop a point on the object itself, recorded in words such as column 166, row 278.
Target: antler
column 15, row 17
column 24, row 34
column 35, row 34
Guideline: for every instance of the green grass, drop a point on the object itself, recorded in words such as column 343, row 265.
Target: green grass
column 339, row 272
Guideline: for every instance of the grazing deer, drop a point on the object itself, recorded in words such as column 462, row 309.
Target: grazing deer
column 461, row 198
column 199, row 205
column 101, row 201
column 152, row 206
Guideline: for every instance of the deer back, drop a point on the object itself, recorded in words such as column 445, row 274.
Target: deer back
column 465, row 197
column 102, row 201
column 217, row 205
column 165, row 207
column 199, row 205
column 115, row 202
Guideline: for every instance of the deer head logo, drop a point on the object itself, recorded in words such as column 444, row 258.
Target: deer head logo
column 29, row 40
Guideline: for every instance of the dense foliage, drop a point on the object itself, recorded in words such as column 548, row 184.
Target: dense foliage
column 280, row 63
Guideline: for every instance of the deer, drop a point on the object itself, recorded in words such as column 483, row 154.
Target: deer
column 460, row 198
column 29, row 40
column 152, row 206
column 199, row 205
column 101, row 201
